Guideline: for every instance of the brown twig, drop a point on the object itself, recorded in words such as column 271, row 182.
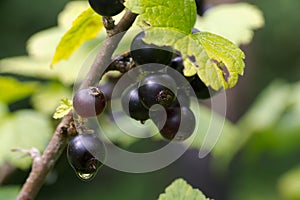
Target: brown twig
column 44, row 163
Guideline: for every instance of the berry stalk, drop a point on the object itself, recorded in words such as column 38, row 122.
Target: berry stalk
column 44, row 163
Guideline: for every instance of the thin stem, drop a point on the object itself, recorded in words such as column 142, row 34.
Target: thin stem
column 43, row 164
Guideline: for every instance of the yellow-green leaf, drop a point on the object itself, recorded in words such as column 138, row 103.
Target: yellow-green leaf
column 85, row 27
column 45, row 99
column 23, row 129
column 63, row 109
column 179, row 15
column 13, row 90
column 218, row 61
column 235, row 22
column 225, row 55
column 181, row 190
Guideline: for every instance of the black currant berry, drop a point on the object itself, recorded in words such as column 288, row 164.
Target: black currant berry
column 200, row 7
column 132, row 105
column 179, row 124
column 85, row 153
column 177, row 64
column 157, row 88
column 200, row 89
column 143, row 53
column 108, row 87
column 89, row 102
column 107, row 7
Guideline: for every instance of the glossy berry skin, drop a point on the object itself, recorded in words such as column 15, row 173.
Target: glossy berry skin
column 108, row 87
column 89, row 102
column 157, row 88
column 200, row 7
column 179, row 124
column 177, row 64
column 132, row 105
column 107, row 7
column 201, row 90
column 143, row 53
column 84, row 153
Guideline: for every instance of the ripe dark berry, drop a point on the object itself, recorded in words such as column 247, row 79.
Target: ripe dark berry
column 179, row 124
column 177, row 64
column 200, row 89
column 143, row 53
column 107, row 7
column 132, row 105
column 85, row 153
column 108, row 87
column 89, row 102
column 157, row 88
column 200, row 7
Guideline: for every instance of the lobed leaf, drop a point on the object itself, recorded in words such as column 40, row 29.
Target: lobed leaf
column 23, row 130
column 13, row 90
column 70, row 12
column 217, row 61
column 181, row 190
column 236, row 21
column 225, row 56
column 178, row 15
column 85, row 27
column 288, row 184
column 63, row 109
column 46, row 98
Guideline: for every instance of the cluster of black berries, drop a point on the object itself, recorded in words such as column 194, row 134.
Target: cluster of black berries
column 85, row 151
column 158, row 87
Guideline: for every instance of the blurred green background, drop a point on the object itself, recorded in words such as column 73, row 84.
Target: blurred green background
column 267, row 164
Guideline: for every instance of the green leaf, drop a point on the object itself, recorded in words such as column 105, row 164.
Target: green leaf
column 46, row 99
column 70, row 13
column 288, row 185
column 51, row 37
column 267, row 108
column 24, row 129
column 178, row 15
column 223, row 54
column 3, row 110
column 12, row 89
column 218, row 62
column 9, row 192
column 37, row 43
column 235, row 22
column 85, row 27
column 181, row 190
column 66, row 72
column 26, row 66
column 63, row 109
